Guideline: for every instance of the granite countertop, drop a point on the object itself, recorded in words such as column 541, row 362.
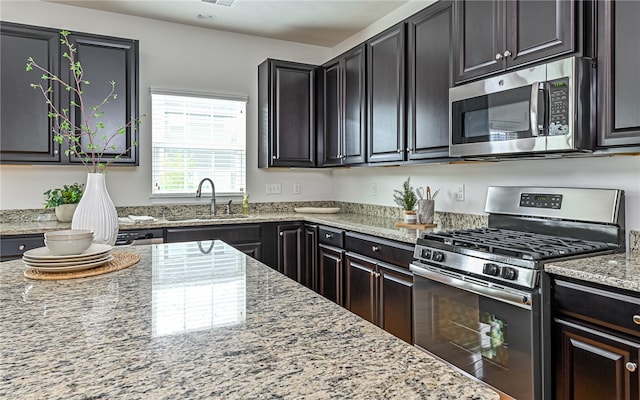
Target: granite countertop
column 189, row 322
column 620, row 271
column 372, row 225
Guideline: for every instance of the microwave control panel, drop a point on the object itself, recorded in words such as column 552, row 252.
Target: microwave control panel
column 559, row 107
column 541, row 200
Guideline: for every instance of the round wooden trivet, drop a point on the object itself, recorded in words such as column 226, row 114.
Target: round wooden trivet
column 120, row 261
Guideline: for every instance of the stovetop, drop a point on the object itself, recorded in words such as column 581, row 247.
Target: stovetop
column 514, row 244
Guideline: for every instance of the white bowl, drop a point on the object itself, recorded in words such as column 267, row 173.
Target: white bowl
column 69, row 234
column 69, row 246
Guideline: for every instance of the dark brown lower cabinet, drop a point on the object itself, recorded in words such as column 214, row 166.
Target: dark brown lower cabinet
column 380, row 293
column 331, row 273
column 290, row 251
column 311, row 256
column 594, row 364
column 596, row 342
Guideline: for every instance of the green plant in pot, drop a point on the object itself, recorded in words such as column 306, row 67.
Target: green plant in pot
column 64, row 200
column 407, row 200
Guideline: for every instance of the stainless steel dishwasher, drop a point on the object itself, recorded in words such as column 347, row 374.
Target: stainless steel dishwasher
column 139, row 237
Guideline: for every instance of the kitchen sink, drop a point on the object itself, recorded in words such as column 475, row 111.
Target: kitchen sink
column 206, row 217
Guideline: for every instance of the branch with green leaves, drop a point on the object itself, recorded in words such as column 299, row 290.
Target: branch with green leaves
column 65, row 128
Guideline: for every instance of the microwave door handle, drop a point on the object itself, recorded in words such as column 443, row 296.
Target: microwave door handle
column 533, row 108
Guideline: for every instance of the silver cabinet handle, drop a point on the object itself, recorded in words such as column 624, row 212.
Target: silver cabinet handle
column 498, row 56
column 21, row 247
column 281, row 233
column 375, row 248
column 328, row 235
column 273, row 157
column 631, row 367
column 399, row 150
column 507, row 53
column 636, row 319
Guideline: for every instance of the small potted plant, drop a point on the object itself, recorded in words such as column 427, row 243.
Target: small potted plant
column 407, row 200
column 64, row 200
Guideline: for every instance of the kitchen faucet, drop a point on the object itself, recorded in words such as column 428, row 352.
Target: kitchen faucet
column 213, row 194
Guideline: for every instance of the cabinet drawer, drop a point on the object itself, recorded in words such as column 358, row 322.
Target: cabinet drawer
column 12, row 247
column 383, row 250
column 331, row 236
column 603, row 307
column 229, row 233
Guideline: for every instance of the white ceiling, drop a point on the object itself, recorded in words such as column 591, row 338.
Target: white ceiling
column 323, row 23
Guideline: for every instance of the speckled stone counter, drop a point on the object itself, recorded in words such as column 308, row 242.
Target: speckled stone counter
column 620, row 271
column 202, row 322
column 369, row 224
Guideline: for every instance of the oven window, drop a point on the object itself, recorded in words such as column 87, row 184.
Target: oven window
column 482, row 334
column 494, row 117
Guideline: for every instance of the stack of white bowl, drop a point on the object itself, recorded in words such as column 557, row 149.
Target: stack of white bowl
column 68, row 250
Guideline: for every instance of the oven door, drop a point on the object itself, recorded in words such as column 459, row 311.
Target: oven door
column 487, row 330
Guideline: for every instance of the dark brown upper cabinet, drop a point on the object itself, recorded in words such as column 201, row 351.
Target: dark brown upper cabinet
column 26, row 131
column 494, row 35
column 105, row 59
column 618, row 63
column 428, row 81
column 386, row 139
column 342, row 133
column 287, row 116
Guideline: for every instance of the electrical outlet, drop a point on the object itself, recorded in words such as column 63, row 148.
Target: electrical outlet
column 374, row 190
column 296, row 188
column 273, row 188
column 460, row 192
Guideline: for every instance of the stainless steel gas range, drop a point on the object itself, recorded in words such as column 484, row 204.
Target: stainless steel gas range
column 479, row 301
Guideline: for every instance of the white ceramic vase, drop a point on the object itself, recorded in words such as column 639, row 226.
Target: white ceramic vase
column 96, row 211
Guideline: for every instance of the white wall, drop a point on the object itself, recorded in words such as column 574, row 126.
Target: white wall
column 171, row 56
column 620, row 172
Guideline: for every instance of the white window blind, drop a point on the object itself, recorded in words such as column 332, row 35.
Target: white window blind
column 197, row 136
column 197, row 286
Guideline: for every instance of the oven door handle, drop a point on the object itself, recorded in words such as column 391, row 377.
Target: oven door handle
column 506, row 295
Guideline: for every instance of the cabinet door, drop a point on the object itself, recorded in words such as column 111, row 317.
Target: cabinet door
column 286, row 124
column 290, row 251
column 385, row 93
column 618, row 64
column 479, row 38
column 429, row 80
column 594, row 365
column 361, row 287
column 12, row 247
column 26, row 132
column 310, row 264
column 395, row 302
column 332, row 132
column 354, row 103
column 106, row 59
column 330, row 273
column 536, row 30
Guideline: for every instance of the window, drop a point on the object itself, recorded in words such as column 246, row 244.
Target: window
column 197, row 136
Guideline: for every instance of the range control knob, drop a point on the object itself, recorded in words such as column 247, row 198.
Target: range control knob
column 437, row 256
column 425, row 253
column 509, row 273
column 491, row 269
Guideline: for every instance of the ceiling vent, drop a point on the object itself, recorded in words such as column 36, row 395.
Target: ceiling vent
column 225, row 3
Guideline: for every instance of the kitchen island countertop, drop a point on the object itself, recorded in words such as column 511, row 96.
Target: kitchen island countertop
column 193, row 321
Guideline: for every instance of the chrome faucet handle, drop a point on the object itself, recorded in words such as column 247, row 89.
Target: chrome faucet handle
column 229, row 207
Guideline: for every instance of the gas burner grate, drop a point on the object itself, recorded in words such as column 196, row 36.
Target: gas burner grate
column 524, row 245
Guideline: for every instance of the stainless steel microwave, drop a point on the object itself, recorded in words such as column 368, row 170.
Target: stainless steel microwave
column 542, row 109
